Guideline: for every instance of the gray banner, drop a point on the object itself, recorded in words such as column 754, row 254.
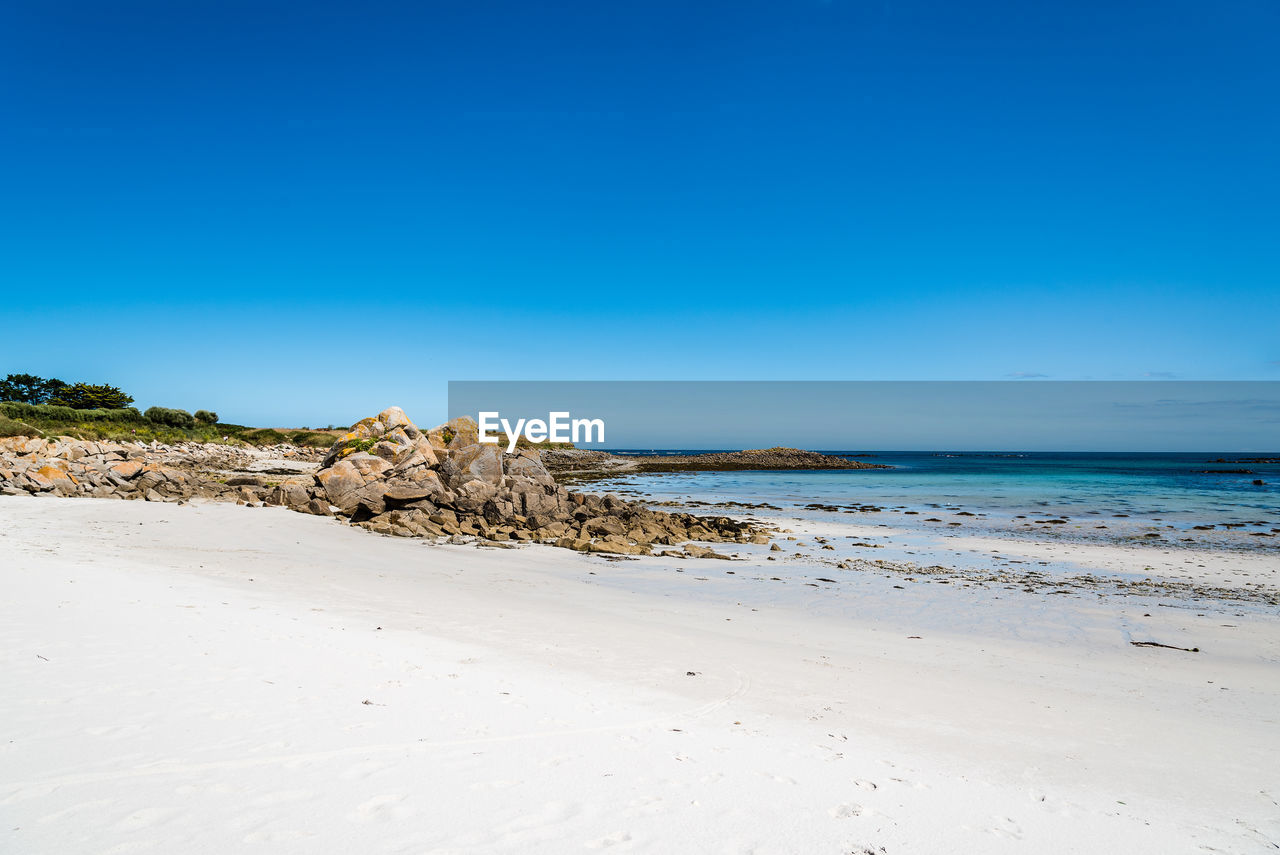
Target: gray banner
column 855, row 415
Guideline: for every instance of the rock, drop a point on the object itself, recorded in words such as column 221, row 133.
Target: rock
column 473, row 494
column 348, row 483
column 409, row 492
column 613, row 547
column 319, row 507
column 478, row 462
column 297, row 497
column 454, row 434
column 394, row 417
column 529, row 467
column 384, row 474
column 126, row 469
column 695, row 551
column 606, row 525
column 580, row 460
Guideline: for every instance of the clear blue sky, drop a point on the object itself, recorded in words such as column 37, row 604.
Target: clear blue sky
column 299, row 213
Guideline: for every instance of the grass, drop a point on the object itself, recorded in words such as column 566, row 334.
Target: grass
column 9, row 427
column 128, row 424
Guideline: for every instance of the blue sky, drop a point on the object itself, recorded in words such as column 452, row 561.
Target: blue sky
column 299, row 213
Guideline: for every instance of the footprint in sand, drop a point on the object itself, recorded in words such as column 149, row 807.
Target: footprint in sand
column 1005, row 827
column 550, row 815
column 645, row 805
column 365, row 769
column 288, row 835
column 67, row 813
column 381, row 808
column 609, row 840
column 552, row 762
column 863, row 784
column 282, row 797
column 118, row 731
column 495, row 785
column 915, row 785
column 846, row 810
column 145, row 818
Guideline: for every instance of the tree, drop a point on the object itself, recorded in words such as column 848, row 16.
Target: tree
column 208, row 417
column 29, row 389
column 89, row 396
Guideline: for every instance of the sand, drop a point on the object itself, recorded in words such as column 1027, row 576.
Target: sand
column 214, row 678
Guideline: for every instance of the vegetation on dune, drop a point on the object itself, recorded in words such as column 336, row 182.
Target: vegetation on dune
column 263, row 436
column 9, row 427
column 57, row 413
column 315, row 439
column 30, row 389
column 34, row 406
column 170, row 416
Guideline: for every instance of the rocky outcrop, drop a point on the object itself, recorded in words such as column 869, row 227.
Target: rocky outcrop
column 385, row 475
column 155, row 472
column 584, row 461
column 390, row 477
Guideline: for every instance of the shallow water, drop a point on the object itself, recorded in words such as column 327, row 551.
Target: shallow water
column 1175, row 489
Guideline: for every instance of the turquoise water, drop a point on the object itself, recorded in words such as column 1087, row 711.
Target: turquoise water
column 1176, row 489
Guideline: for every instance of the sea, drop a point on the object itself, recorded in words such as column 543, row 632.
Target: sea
column 1175, row 489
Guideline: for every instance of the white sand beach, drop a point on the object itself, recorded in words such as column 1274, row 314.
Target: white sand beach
column 214, row 678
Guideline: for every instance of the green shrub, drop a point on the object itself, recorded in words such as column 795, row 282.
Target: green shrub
column 124, row 415
column 38, row 412
column 8, row 427
column 264, row 436
column 170, row 416
column 16, row 410
column 48, row 413
column 208, row 417
column 313, row 439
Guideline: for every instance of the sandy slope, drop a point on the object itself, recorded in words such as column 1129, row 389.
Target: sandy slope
column 194, row 679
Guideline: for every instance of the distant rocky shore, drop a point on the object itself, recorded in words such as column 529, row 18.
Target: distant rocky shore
column 385, row 475
column 582, row 461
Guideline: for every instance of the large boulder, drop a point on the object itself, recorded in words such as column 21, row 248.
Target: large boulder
column 476, row 462
column 527, row 466
column 355, row 481
column 389, row 435
column 454, row 434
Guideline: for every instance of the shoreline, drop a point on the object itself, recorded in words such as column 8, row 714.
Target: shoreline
column 1155, row 529
column 539, row 700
